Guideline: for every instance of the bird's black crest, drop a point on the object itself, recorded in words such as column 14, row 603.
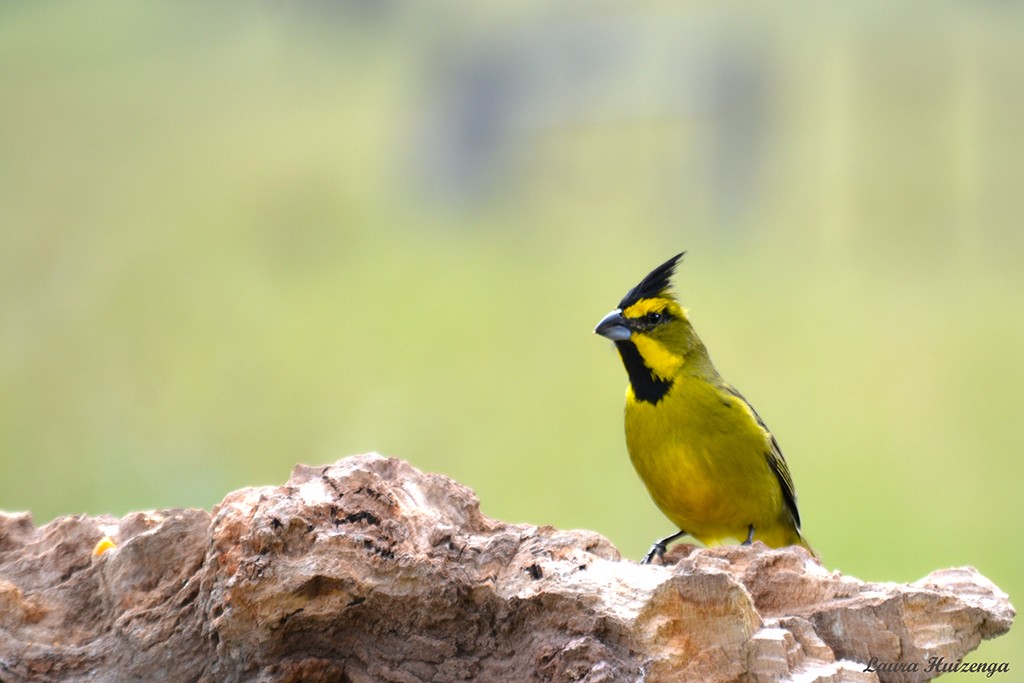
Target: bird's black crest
column 656, row 282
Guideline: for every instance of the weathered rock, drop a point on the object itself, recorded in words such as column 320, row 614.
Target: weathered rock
column 368, row 570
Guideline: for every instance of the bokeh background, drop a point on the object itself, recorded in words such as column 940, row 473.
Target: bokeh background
column 237, row 238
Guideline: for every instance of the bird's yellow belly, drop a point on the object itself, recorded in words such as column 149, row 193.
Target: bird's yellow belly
column 707, row 472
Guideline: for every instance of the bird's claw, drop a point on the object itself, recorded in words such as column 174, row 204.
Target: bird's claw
column 658, row 549
column 660, row 546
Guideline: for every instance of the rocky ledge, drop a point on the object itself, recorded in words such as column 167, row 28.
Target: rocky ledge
column 369, row 570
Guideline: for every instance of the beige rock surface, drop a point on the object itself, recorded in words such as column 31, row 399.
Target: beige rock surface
column 369, row 570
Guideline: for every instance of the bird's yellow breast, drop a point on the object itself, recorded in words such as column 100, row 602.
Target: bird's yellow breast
column 701, row 453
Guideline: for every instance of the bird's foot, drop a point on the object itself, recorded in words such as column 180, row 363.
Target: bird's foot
column 661, row 545
column 657, row 550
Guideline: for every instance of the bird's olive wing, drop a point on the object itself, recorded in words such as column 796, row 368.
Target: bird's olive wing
column 776, row 461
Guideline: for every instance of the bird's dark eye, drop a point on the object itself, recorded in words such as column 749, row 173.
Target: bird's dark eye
column 653, row 318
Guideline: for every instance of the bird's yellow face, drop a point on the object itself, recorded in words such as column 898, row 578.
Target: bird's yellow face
column 652, row 334
column 658, row 328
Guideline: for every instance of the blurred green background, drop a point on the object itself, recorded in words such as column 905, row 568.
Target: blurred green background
column 233, row 239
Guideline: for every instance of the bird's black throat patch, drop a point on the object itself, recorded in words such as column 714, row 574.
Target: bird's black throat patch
column 646, row 387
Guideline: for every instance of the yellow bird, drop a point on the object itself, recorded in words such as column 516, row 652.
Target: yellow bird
column 706, row 457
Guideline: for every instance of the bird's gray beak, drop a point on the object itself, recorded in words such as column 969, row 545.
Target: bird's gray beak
column 613, row 326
